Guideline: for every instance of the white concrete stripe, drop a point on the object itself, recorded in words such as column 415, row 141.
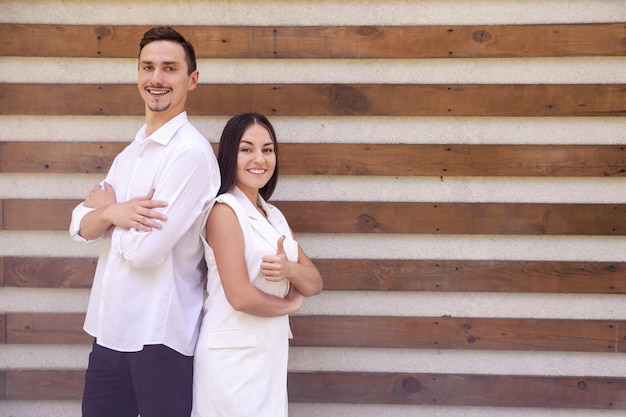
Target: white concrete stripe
column 470, row 304
column 303, row 359
column 72, row 409
column 376, row 303
column 354, row 12
column 376, row 246
column 377, row 189
column 348, row 129
column 609, row 70
column 366, row 410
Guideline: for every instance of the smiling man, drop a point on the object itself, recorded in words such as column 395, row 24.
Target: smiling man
column 147, row 295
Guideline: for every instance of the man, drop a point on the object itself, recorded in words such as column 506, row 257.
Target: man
column 146, row 300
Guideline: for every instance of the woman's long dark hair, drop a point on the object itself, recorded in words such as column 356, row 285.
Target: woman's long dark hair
column 228, row 151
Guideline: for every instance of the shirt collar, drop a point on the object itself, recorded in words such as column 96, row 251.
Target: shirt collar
column 166, row 132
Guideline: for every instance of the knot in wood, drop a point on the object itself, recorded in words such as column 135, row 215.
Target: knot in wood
column 367, row 222
column 481, row 36
column 348, row 100
column 411, row 385
column 582, row 385
column 102, row 31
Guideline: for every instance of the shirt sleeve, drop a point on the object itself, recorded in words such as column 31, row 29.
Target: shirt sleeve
column 187, row 182
column 77, row 216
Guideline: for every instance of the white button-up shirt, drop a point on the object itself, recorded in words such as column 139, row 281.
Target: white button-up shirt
column 148, row 287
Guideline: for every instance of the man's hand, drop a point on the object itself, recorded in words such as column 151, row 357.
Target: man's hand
column 137, row 213
column 98, row 198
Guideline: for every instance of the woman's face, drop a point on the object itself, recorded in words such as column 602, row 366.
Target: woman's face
column 256, row 159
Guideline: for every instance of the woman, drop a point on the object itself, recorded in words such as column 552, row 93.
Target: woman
column 257, row 275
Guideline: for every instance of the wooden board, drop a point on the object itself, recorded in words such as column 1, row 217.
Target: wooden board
column 494, row 100
column 326, row 42
column 354, row 159
column 459, row 275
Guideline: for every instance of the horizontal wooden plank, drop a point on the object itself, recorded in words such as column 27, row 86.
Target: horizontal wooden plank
column 458, row 390
column 573, row 392
column 387, row 217
column 455, row 218
column 354, row 159
column 521, row 334
column 37, row 214
column 472, row 275
column 3, row 385
column 460, row 333
column 44, row 384
column 42, row 272
column 527, row 100
column 325, row 42
column 46, row 329
column 3, row 332
column 379, row 275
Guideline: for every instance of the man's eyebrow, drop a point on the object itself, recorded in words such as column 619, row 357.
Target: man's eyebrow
column 144, row 62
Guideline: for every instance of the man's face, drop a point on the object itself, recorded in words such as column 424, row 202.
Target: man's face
column 163, row 79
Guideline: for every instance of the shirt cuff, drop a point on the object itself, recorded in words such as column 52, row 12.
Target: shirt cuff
column 77, row 216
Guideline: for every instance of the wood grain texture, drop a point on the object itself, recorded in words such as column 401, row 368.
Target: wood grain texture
column 436, row 275
column 455, row 218
column 495, row 100
column 387, row 217
column 383, row 388
column 354, row 159
column 42, row 272
column 470, row 333
column 326, row 42
column 3, row 332
column 44, row 384
column 472, row 275
column 458, row 390
column 46, row 329
column 3, row 385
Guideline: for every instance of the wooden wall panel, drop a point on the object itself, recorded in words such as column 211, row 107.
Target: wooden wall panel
column 461, row 275
column 327, row 42
column 46, row 329
column 28, row 385
column 40, row 272
column 3, row 332
column 504, row 334
column 595, row 99
column 472, row 275
column 3, row 385
column 387, row 217
column 460, row 390
column 495, row 100
column 354, row 159
column 384, row 388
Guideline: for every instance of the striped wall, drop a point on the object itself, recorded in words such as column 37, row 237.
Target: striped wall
column 455, row 169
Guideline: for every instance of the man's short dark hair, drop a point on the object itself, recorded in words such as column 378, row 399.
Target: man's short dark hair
column 166, row 33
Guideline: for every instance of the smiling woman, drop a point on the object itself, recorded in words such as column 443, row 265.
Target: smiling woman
column 257, row 276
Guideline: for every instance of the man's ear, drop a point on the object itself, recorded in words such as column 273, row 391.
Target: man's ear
column 193, row 80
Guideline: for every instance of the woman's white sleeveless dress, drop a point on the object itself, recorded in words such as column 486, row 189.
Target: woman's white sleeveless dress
column 240, row 367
